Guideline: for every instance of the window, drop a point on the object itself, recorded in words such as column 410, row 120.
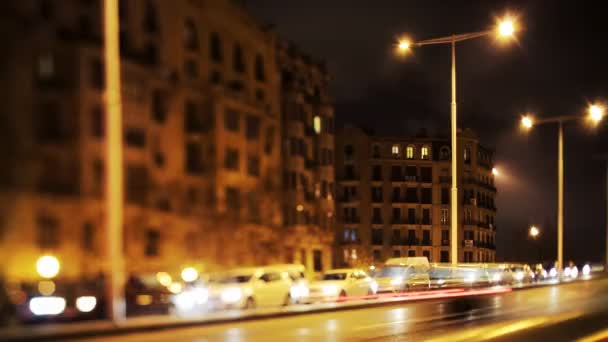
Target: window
column 411, row 215
column 260, row 75
column 151, row 248
column 468, row 256
column 395, row 150
column 409, row 152
column 192, row 120
column 444, row 218
column 396, row 195
column 445, row 256
column 150, row 18
column 231, row 120
column 97, row 74
column 98, row 172
column 194, row 157
column 46, row 66
column 233, row 200
column 411, row 237
column 348, row 152
column 396, row 175
column 231, row 159
column 426, row 216
column 411, row 253
column 445, row 238
column 190, row 36
column 426, row 237
column 238, row 60
column 426, row 174
column 135, row 137
column 159, row 106
column 88, row 237
column 377, row 173
column 317, row 257
column 396, row 215
column 48, row 232
column 444, row 153
column 445, row 196
column 376, row 151
column 97, row 122
column 424, row 153
column 411, row 195
column 215, row 47
column 269, row 141
column 377, row 194
column 253, row 166
column 377, row 237
column 252, row 129
column 349, row 172
column 427, row 195
column 376, row 255
column 136, row 183
column 376, row 216
column 467, row 155
column 191, row 68
column 317, row 124
column 396, row 253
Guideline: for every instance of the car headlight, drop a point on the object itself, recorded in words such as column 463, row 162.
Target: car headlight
column 544, row 274
column 299, row 291
column 470, row 279
column 496, row 277
column 553, row 272
column 519, row 276
column 567, row 271
column 191, row 297
column 373, row 286
column 440, row 282
column 574, row 272
column 586, row 270
column 397, row 281
column 47, row 306
column 231, row 295
column 330, row 290
column 86, row 303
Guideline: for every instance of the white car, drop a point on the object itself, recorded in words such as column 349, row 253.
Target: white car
column 344, row 282
column 247, row 288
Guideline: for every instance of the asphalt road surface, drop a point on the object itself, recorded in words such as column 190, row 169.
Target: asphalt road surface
column 553, row 313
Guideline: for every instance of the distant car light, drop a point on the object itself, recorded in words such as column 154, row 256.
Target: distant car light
column 397, row 281
column 374, row 287
column 47, row 306
column 519, row 276
column 176, row 287
column 440, row 282
column 586, row 270
column 574, row 272
column 553, row 272
column 567, row 271
column 469, row 279
column 86, row 303
column 231, row 295
column 191, row 297
column 496, row 277
column 143, row 299
column 299, row 291
column 544, row 274
column 330, row 290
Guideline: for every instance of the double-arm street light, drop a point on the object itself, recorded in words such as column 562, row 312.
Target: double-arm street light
column 504, row 29
column 595, row 113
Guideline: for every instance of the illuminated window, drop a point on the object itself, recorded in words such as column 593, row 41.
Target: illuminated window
column 317, row 124
column 444, row 216
column 395, row 150
column 467, row 155
column 409, row 152
column 425, row 152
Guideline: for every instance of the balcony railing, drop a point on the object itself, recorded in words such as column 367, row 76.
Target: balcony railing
column 351, row 219
column 445, row 179
column 411, row 178
column 445, row 242
column 377, row 220
column 426, row 242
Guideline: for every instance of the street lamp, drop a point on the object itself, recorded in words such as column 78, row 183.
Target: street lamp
column 534, row 232
column 495, row 172
column 48, row 266
column 505, row 29
column 595, row 113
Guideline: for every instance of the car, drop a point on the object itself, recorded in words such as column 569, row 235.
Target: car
column 297, row 275
column 522, row 274
column 341, row 283
column 403, row 274
column 248, row 288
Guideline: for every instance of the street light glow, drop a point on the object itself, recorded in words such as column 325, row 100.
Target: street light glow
column 189, row 274
column 596, row 113
column 534, row 232
column 506, row 27
column 527, row 122
column 47, row 266
column 495, row 171
column 404, row 45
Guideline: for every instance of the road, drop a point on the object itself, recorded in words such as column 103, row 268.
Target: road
column 555, row 313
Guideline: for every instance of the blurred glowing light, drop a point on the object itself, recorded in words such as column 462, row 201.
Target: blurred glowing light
column 553, row 272
column 397, row 281
column 534, row 231
column 143, row 300
column 519, row 276
column 495, row 172
column 299, row 207
column 46, row 287
column 506, row 27
column 496, row 277
column 330, row 290
column 164, row 279
column 527, row 121
column 47, row 306
column 176, row 288
column 231, row 295
column 596, row 113
column 317, row 124
column 188, row 299
column 86, row 303
column 586, row 270
column 574, row 272
column 404, row 45
column 567, row 271
column 374, row 287
column 47, row 266
column 189, row 274
column 299, row 291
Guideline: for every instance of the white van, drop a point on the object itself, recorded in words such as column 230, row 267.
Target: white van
column 403, row 274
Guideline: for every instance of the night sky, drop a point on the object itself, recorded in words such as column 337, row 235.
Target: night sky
column 558, row 64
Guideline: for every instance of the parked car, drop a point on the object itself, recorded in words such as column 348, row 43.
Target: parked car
column 339, row 283
column 247, row 288
column 403, row 274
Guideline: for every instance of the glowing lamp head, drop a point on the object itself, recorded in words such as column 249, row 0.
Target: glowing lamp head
column 403, row 46
column 47, row 266
column 596, row 113
column 495, row 171
column 189, row 274
column 527, row 122
column 534, row 231
column 506, row 27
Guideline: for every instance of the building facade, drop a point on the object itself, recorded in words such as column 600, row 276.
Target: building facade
column 308, row 163
column 393, row 198
column 201, row 92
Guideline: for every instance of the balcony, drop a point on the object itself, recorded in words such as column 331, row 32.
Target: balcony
column 377, row 199
column 445, row 179
column 412, row 241
column 395, row 241
column 445, row 242
column 468, row 243
column 411, row 199
column 483, row 225
column 411, row 178
column 348, row 199
column 426, row 242
column 469, row 222
column 397, row 178
column 355, row 241
column 426, row 222
column 351, row 219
